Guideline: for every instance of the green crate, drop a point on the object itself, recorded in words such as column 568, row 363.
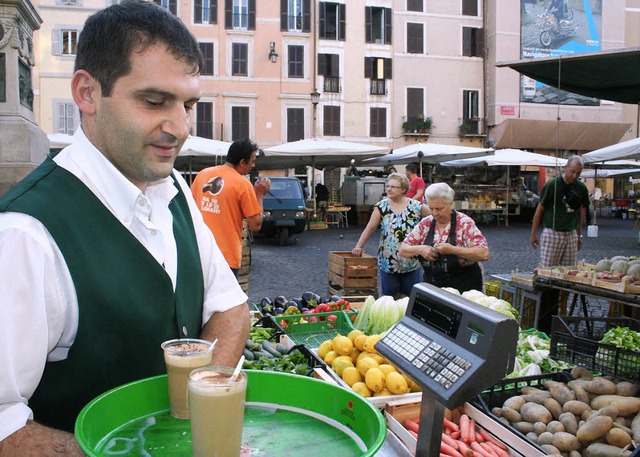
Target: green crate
column 312, row 334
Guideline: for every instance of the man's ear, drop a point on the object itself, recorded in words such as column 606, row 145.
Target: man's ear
column 86, row 91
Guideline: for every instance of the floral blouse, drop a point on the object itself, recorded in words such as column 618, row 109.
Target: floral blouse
column 394, row 227
column 467, row 235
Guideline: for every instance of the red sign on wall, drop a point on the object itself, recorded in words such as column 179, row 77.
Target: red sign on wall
column 507, row 110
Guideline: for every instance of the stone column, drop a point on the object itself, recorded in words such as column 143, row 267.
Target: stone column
column 23, row 145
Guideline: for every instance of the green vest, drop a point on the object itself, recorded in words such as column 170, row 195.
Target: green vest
column 127, row 306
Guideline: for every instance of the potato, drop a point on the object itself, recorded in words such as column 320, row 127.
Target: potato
column 531, row 436
column 545, row 438
column 539, row 427
column 594, row 428
column 610, row 411
column 581, row 394
column 600, row 386
column 533, row 412
column 618, row 437
column 514, row 402
column 560, row 392
column 538, row 397
column 511, row 414
column 605, row 450
column 627, row 389
column 576, row 407
column 625, row 405
column 550, row 449
column 554, row 407
column 570, row 422
column 575, row 454
column 531, row 390
column 523, row 427
column 581, row 372
column 555, row 427
column 635, row 428
column 566, row 441
column 496, row 411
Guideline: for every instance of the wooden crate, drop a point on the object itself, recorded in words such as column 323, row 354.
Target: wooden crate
column 626, row 285
column 350, row 275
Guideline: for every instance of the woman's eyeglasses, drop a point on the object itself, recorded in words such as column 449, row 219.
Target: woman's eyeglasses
column 389, row 186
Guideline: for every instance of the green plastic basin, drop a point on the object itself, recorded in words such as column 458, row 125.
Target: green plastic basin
column 285, row 415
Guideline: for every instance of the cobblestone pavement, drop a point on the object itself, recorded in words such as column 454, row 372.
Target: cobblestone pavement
column 291, row 270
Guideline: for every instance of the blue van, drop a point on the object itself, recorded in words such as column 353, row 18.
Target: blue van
column 284, row 209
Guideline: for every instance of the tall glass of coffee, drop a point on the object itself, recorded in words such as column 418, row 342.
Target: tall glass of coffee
column 181, row 357
column 216, row 402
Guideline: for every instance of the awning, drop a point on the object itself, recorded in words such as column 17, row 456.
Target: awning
column 551, row 135
column 608, row 75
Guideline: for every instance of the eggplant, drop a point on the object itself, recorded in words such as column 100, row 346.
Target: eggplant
column 334, row 298
column 298, row 301
column 278, row 310
column 266, row 309
column 265, row 301
column 280, row 301
column 307, row 297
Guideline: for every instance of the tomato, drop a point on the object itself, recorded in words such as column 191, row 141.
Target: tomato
column 333, row 317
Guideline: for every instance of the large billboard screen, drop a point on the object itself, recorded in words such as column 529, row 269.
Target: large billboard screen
column 557, row 27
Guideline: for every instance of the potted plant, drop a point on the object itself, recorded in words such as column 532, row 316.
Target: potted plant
column 424, row 124
column 466, row 128
column 408, row 127
column 316, row 223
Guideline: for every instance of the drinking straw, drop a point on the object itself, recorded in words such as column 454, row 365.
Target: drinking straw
column 236, row 372
column 213, row 344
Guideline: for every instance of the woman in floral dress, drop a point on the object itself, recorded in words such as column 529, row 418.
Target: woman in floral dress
column 396, row 215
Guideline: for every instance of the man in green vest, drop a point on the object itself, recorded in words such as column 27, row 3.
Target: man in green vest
column 103, row 252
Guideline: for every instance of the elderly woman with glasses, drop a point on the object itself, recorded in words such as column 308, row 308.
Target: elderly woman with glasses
column 448, row 243
column 397, row 216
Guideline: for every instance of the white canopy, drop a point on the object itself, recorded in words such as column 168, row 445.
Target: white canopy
column 625, row 150
column 609, row 173
column 317, row 152
column 510, row 157
column 204, row 147
column 59, row 140
column 428, row 153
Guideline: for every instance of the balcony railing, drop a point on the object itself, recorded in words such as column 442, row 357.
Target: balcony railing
column 378, row 87
column 332, row 84
column 472, row 127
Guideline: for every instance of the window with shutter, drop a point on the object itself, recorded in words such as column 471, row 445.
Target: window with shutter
column 239, row 59
column 66, row 117
column 414, row 5
column 239, row 122
column 204, row 119
column 415, row 104
column 472, row 42
column 240, row 14
column 331, row 115
column 205, row 11
column 207, row 59
column 295, row 124
column 296, row 61
column 415, row 38
column 378, row 122
column 470, row 7
column 332, row 21
column 378, row 25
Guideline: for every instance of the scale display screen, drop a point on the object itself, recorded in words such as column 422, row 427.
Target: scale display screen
column 452, row 347
column 438, row 315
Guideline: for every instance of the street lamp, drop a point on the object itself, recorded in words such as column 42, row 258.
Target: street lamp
column 315, row 99
column 273, row 55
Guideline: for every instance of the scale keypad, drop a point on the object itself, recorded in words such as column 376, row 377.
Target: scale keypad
column 441, row 365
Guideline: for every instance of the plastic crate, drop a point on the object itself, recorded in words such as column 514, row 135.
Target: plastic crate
column 267, row 322
column 576, row 340
column 312, row 334
column 492, row 288
column 496, row 395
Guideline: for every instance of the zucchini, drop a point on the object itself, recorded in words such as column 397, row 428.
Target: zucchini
column 257, row 354
column 281, row 348
column 248, row 355
column 266, row 354
column 266, row 347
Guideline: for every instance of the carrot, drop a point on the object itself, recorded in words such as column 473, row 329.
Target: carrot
column 412, row 426
column 464, row 449
column 450, row 441
column 450, row 425
column 490, row 439
column 477, row 449
column 464, row 428
column 498, row 450
column 455, row 435
column 472, row 430
column 489, row 449
column 448, row 450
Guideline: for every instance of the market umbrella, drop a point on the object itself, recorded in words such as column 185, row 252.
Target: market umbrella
column 316, row 152
column 198, row 152
column 59, row 140
column 608, row 75
column 509, row 157
column 626, row 150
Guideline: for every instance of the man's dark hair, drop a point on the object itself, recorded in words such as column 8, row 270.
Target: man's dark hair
column 412, row 167
column 241, row 149
column 111, row 35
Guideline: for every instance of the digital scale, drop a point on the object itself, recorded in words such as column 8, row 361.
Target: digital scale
column 453, row 348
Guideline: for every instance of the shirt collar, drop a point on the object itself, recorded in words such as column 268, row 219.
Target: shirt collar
column 109, row 184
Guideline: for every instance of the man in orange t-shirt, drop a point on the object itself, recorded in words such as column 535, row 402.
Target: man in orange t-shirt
column 225, row 198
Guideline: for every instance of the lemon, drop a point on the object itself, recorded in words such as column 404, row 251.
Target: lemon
column 351, row 375
column 374, row 379
column 383, row 393
column 359, row 342
column 396, row 384
column 329, row 357
column 324, row 348
column 378, row 358
column 339, row 365
column 354, row 355
column 361, row 389
column 342, row 345
column 365, row 364
column 353, row 334
column 370, row 342
column 386, row 368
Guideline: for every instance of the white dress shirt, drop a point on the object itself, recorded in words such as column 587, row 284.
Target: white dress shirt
column 38, row 302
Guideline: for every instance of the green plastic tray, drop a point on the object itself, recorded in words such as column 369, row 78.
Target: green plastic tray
column 312, row 334
column 285, row 415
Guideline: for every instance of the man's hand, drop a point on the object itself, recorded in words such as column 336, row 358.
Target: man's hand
column 534, row 240
column 36, row 439
column 579, row 242
column 262, row 186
